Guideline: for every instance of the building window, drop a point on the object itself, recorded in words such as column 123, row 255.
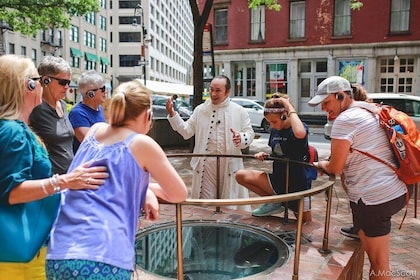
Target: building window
column 102, row 3
column 397, row 75
column 74, row 34
column 297, row 20
column 102, row 44
column 128, row 20
column 352, row 70
column 342, row 18
column 311, row 73
column 127, row 4
column 90, row 18
column 129, row 60
column 60, row 38
column 258, row 24
column 400, row 16
column 244, row 81
column 74, row 61
column 221, row 26
column 276, row 79
column 90, row 65
column 102, row 22
column 23, row 50
column 130, row 37
column 11, row 48
column 33, row 56
column 103, row 68
column 89, row 39
column 207, row 71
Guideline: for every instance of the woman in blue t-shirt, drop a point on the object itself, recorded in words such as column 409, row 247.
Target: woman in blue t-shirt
column 288, row 139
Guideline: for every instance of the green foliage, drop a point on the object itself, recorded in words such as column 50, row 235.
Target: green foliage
column 356, row 5
column 30, row 16
column 270, row 4
column 273, row 5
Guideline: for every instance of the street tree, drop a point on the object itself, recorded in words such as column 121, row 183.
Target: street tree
column 30, row 16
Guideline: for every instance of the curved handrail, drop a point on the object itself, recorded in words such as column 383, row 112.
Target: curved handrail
column 327, row 186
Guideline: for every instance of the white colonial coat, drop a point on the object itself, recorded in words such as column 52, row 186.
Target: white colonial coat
column 201, row 125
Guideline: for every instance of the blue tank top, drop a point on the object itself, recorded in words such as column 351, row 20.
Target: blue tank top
column 100, row 225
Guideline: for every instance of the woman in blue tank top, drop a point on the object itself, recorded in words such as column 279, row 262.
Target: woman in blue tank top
column 95, row 230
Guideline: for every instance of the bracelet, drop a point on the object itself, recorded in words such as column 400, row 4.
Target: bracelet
column 292, row 112
column 43, row 187
column 54, row 184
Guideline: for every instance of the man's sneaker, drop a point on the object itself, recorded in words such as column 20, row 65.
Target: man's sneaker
column 268, row 209
column 349, row 232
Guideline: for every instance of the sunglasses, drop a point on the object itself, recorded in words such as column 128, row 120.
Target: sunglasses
column 101, row 88
column 61, row 82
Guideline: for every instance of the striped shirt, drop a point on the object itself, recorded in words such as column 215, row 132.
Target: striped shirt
column 367, row 178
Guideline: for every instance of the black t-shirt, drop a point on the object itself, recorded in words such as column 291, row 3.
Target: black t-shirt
column 57, row 134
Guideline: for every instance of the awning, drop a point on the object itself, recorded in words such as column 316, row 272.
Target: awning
column 75, row 52
column 168, row 88
column 91, row 57
column 105, row 60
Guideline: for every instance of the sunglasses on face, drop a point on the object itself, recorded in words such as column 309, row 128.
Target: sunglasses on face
column 35, row 78
column 61, row 82
column 101, row 88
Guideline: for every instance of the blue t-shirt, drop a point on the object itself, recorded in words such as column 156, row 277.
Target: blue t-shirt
column 284, row 144
column 82, row 115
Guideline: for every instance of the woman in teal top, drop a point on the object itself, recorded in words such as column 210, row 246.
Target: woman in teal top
column 25, row 170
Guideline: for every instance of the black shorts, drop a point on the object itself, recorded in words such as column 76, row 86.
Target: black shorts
column 375, row 220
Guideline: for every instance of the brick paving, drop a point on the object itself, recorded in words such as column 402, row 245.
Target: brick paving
column 405, row 253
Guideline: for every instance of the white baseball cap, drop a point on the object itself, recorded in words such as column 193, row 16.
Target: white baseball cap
column 330, row 85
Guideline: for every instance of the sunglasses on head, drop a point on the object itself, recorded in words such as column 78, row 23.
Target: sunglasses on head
column 61, row 82
column 101, row 88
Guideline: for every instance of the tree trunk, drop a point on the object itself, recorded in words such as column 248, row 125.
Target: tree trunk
column 199, row 23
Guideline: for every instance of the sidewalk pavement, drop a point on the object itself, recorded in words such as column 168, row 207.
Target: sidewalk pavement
column 404, row 246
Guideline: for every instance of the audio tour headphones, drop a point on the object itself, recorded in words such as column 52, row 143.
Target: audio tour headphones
column 46, row 81
column 339, row 96
column 31, row 85
column 90, row 94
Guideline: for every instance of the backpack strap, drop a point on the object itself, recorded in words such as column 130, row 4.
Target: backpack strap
column 375, row 111
column 376, row 158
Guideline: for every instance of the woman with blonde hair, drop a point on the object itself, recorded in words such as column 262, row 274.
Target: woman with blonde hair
column 25, row 169
column 100, row 239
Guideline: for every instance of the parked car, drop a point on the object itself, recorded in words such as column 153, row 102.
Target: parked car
column 409, row 104
column 159, row 107
column 255, row 111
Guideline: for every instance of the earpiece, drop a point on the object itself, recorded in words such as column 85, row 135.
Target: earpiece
column 46, row 81
column 90, row 94
column 339, row 96
column 283, row 117
column 31, row 85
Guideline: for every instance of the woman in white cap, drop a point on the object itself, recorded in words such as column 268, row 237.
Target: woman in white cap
column 375, row 191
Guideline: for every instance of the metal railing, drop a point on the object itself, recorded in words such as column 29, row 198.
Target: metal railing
column 325, row 187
